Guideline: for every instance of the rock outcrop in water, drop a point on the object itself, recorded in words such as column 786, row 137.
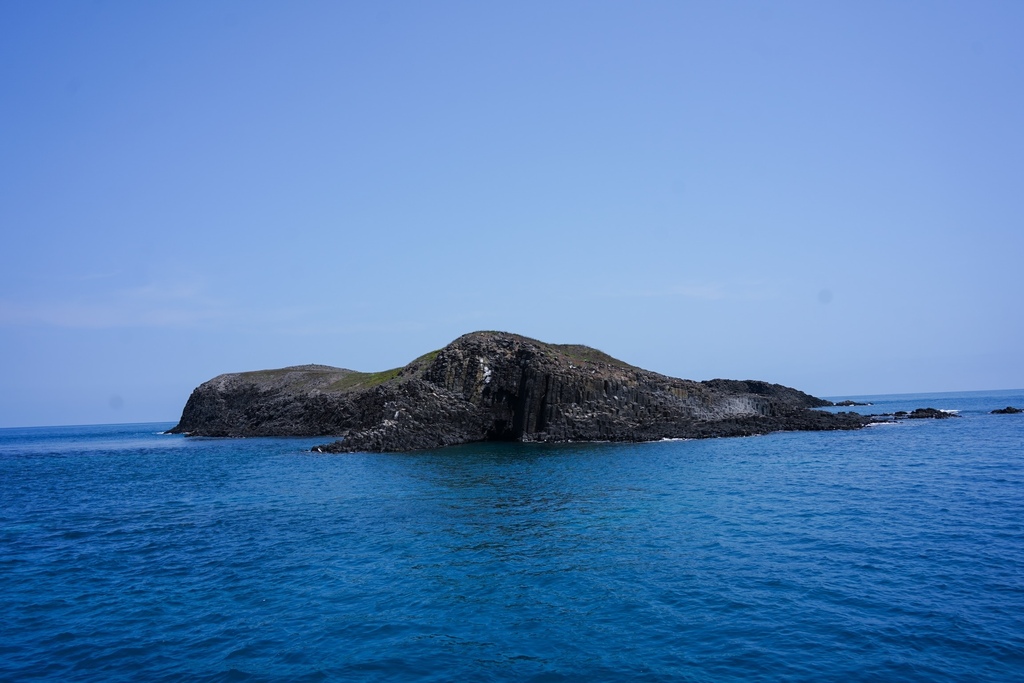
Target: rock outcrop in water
column 495, row 386
column 927, row 414
column 1008, row 410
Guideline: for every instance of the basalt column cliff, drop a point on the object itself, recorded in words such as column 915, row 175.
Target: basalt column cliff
column 494, row 386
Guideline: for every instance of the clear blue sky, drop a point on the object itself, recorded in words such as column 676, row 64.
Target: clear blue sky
column 826, row 195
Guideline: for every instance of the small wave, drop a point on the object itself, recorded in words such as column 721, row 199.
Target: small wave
column 951, row 412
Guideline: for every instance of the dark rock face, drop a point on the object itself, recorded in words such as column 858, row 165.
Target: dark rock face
column 494, row 386
column 928, row 413
column 295, row 401
column 1008, row 410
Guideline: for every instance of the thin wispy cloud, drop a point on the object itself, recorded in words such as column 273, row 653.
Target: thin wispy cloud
column 98, row 315
column 740, row 291
column 108, row 275
column 150, row 305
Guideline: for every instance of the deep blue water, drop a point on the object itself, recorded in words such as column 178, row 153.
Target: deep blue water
column 891, row 553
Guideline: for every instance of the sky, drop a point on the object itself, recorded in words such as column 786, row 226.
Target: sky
column 823, row 195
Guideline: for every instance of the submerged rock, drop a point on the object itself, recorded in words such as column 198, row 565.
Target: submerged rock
column 495, row 386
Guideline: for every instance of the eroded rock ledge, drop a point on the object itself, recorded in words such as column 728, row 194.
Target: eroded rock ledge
column 495, row 386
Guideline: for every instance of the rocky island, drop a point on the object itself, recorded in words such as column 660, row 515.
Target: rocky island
column 496, row 386
column 1008, row 410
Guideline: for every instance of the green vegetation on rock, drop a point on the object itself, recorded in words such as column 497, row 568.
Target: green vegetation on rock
column 586, row 354
column 364, row 380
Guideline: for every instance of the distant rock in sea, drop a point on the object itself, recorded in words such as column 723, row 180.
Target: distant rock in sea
column 928, row 413
column 1008, row 410
column 496, row 386
column 848, row 403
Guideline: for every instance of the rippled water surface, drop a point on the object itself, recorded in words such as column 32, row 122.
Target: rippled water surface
column 892, row 553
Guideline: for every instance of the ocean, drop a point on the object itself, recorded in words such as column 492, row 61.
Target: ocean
column 893, row 553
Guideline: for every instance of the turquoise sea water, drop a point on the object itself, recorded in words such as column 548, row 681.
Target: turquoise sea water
column 891, row 553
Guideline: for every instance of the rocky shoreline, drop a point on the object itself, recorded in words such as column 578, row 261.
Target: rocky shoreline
column 496, row 386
